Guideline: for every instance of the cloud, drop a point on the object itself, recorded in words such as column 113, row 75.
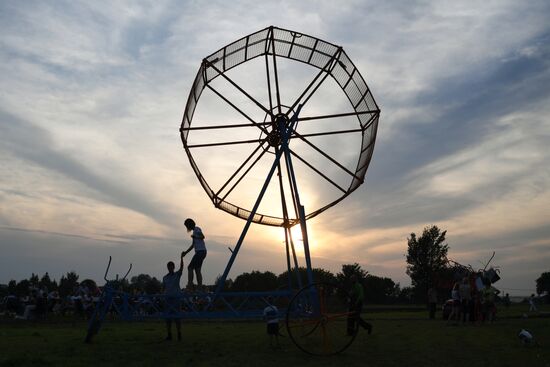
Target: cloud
column 488, row 142
column 34, row 144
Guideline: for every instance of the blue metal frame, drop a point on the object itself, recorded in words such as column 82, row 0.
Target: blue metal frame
column 218, row 304
column 331, row 60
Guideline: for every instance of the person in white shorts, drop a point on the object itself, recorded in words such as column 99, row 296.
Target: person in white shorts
column 200, row 253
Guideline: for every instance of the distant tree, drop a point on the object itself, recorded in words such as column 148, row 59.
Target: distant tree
column 68, row 283
column 406, row 295
column 154, row 286
column 319, row 275
column 3, row 290
column 45, row 281
column 348, row 270
column 12, row 286
column 380, row 289
column 145, row 283
column 22, row 288
column 121, row 285
column 343, row 278
column 90, row 285
column 34, row 280
column 426, row 258
column 543, row 283
column 255, row 281
column 228, row 282
column 138, row 282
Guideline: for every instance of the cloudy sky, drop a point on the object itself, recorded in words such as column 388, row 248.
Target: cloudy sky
column 92, row 163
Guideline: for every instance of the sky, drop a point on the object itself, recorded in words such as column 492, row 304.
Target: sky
column 92, row 164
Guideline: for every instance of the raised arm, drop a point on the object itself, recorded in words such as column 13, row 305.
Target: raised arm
column 181, row 260
column 189, row 249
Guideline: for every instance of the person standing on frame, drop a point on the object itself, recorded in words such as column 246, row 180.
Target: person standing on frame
column 200, row 253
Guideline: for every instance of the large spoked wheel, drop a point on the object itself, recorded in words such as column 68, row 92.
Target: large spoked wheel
column 317, row 320
column 273, row 91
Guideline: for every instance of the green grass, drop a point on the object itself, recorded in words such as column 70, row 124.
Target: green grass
column 516, row 310
column 396, row 341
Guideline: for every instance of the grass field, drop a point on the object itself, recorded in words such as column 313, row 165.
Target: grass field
column 400, row 338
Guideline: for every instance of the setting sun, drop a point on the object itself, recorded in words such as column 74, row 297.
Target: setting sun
column 297, row 237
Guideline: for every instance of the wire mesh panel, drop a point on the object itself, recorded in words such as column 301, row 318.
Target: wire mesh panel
column 330, row 60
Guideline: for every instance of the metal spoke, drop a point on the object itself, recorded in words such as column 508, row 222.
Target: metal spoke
column 240, row 167
column 317, row 171
column 330, row 133
column 223, row 143
column 244, row 174
column 275, row 71
column 321, row 117
column 237, row 108
column 324, row 71
column 299, row 119
column 230, row 126
column 238, row 87
column 325, row 155
column 268, row 81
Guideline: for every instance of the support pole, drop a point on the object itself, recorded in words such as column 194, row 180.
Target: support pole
column 300, row 212
column 295, row 258
column 306, row 244
column 287, row 252
column 221, row 281
column 288, row 234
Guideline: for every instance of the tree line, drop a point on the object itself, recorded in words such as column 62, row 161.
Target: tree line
column 426, row 259
column 380, row 289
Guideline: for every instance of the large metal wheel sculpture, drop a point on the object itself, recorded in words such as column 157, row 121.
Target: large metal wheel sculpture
column 277, row 44
column 317, row 133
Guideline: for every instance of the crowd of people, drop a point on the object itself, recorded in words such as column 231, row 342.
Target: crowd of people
column 473, row 299
column 473, row 302
column 39, row 302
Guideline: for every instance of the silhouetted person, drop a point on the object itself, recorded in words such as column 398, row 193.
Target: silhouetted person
column 455, row 311
column 465, row 299
column 172, row 292
column 200, row 253
column 271, row 317
column 506, row 300
column 488, row 295
column 532, row 305
column 432, row 301
column 356, row 299
column 30, row 307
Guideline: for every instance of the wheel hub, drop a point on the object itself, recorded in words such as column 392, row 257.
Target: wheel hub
column 274, row 138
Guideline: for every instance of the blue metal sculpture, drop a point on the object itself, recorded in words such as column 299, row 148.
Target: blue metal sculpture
column 281, row 134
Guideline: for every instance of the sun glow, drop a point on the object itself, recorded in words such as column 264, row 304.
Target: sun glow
column 297, row 237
